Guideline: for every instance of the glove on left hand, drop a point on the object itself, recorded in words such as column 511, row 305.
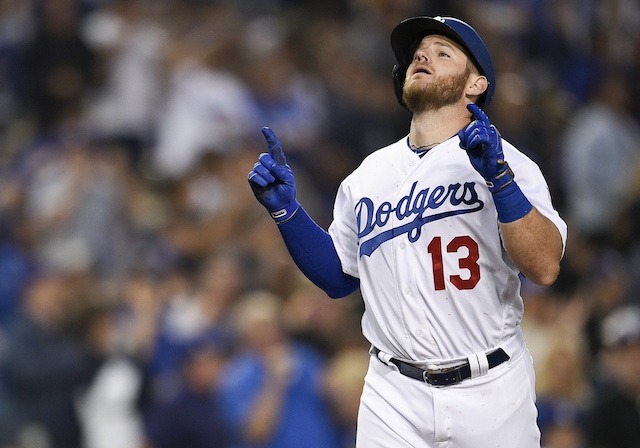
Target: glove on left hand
column 272, row 181
column 483, row 144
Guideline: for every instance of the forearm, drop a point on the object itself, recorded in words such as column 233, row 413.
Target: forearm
column 532, row 241
column 534, row 244
column 312, row 249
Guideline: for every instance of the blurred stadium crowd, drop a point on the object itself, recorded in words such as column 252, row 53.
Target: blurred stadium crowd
column 147, row 300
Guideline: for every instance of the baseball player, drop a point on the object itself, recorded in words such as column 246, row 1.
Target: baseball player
column 434, row 229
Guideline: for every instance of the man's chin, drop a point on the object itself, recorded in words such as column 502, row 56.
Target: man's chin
column 424, row 93
column 421, row 100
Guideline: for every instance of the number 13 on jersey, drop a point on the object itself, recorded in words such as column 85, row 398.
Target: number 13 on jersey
column 468, row 262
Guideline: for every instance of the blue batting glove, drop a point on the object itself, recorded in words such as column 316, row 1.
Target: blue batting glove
column 483, row 144
column 272, row 181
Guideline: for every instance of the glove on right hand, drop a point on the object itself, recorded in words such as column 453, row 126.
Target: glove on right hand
column 272, row 181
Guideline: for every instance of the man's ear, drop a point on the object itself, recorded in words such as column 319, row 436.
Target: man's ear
column 477, row 85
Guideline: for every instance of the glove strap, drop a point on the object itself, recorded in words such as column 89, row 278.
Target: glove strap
column 504, row 178
column 285, row 214
column 511, row 203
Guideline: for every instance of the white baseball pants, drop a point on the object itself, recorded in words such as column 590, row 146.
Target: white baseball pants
column 490, row 411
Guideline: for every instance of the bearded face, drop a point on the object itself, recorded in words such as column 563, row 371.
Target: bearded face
column 444, row 91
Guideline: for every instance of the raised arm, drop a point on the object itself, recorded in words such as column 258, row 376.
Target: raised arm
column 310, row 246
column 532, row 241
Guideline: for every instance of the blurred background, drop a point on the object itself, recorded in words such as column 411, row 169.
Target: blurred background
column 147, row 299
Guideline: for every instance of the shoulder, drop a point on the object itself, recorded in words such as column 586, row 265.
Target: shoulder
column 517, row 159
column 386, row 151
column 379, row 160
column 511, row 150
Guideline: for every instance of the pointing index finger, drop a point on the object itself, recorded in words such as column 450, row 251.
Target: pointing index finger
column 478, row 113
column 275, row 148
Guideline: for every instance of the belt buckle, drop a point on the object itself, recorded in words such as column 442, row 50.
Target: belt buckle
column 427, row 375
column 432, row 370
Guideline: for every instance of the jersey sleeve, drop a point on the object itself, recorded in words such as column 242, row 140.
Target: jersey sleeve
column 533, row 184
column 343, row 230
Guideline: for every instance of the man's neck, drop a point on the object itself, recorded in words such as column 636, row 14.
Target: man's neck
column 435, row 126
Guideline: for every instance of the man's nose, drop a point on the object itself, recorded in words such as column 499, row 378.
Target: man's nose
column 420, row 55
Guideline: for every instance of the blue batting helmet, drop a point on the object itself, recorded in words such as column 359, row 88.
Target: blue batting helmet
column 407, row 35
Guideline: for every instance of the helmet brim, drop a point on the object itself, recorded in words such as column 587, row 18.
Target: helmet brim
column 408, row 31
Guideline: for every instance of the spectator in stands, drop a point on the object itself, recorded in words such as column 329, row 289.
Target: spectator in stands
column 600, row 157
column 193, row 417
column 614, row 420
column 59, row 64
column 272, row 388
column 44, row 368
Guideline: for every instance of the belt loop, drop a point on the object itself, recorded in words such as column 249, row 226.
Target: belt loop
column 479, row 364
column 385, row 358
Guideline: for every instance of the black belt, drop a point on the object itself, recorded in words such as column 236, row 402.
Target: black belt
column 448, row 375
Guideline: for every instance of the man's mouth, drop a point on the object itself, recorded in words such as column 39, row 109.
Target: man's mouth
column 422, row 70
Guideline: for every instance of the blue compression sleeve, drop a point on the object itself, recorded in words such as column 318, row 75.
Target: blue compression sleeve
column 312, row 249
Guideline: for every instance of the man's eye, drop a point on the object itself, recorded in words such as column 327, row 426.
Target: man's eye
column 442, row 53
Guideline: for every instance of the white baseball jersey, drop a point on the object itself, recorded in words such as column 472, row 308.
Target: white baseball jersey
column 422, row 236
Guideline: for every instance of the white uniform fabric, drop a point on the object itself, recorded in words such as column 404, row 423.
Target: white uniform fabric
column 422, row 235
column 496, row 410
column 445, row 289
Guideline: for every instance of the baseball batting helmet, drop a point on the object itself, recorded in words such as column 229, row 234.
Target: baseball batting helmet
column 406, row 36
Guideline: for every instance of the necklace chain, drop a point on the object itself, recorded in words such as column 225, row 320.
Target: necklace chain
column 431, row 145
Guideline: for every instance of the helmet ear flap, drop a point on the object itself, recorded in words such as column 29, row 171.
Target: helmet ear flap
column 398, row 75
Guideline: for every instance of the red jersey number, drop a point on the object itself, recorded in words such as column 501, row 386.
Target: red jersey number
column 468, row 263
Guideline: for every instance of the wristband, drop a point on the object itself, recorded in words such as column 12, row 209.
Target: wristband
column 511, row 203
column 285, row 214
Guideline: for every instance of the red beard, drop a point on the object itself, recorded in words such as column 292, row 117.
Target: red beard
column 442, row 92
